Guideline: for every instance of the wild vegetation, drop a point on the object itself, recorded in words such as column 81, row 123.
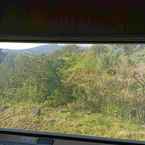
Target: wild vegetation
column 99, row 90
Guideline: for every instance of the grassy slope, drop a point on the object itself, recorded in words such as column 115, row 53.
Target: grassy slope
column 73, row 122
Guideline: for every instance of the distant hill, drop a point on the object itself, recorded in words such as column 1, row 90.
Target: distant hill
column 10, row 54
column 43, row 49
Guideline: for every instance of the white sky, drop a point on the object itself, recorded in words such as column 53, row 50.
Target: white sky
column 14, row 45
column 8, row 45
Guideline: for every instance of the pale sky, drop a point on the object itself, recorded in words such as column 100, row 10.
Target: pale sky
column 8, row 45
column 14, row 45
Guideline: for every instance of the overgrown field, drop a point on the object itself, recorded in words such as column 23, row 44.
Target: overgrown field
column 66, row 120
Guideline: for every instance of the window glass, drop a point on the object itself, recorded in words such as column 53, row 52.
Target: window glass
column 87, row 89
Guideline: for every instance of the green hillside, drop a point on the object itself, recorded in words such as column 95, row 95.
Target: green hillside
column 98, row 90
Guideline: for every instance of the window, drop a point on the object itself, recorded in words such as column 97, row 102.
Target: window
column 87, row 89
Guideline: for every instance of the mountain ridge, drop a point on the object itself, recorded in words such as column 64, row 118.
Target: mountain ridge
column 43, row 49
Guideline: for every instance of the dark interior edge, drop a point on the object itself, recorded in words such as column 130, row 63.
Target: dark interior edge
column 76, row 39
column 29, row 133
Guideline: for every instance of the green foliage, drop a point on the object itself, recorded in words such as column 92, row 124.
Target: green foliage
column 104, row 79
